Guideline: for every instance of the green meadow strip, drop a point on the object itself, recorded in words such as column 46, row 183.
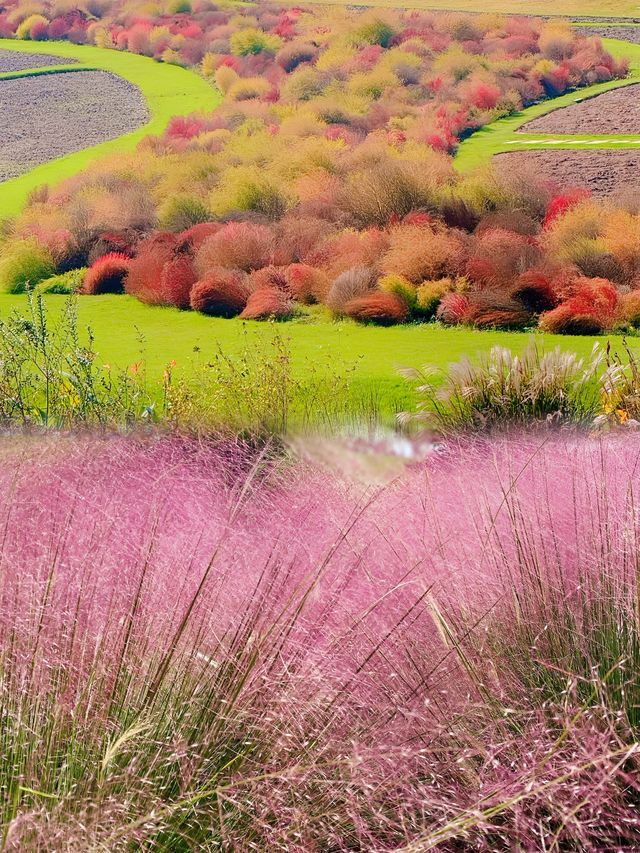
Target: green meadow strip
column 169, row 90
column 45, row 70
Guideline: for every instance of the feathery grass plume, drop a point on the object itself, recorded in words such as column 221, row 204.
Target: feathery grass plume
column 503, row 390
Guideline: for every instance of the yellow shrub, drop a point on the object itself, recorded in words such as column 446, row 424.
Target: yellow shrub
column 225, row 77
column 246, row 88
column 24, row 30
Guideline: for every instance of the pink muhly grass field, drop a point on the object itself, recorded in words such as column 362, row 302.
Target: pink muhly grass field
column 206, row 648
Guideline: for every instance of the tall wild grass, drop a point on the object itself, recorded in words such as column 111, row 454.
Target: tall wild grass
column 209, row 648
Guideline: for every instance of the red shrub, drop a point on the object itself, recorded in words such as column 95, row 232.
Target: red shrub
column 107, row 274
column 564, row 321
column 222, row 293
column 560, row 204
column 195, row 236
column 535, row 292
column 452, row 309
column 176, row 281
column 237, row 245
column 307, row 284
column 596, row 296
column 145, row 270
column 384, row 309
column 498, row 257
column 265, row 303
column 269, row 277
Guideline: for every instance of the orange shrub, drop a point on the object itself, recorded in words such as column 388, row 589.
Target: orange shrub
column 268, row 277
column 494, row 310
column 499, row 256
column 423, row 254
column 629, row 307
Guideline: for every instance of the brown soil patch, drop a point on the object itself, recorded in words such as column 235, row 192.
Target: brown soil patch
column 617, row 111
column 605, row 173
column 623, row 33
column 47, row 116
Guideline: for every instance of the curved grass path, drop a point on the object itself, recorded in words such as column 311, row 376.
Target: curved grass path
column 501, row 136
column 168, row 90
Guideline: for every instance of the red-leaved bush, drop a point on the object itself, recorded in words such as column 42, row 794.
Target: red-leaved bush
column 144, row 277
column 221, row 293
column 237, row 245
column 267, row 303
column 107, row 274
column 176, row 281
column 383, row 309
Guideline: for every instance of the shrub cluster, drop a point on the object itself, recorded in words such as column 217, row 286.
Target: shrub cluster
column 325, row 176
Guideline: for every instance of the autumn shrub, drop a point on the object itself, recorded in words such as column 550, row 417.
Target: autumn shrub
column 352, row 284
column 629, row 307
column 107, row 274
column 535, row 291
column 23, row 264
column 429, row 295
column 452, row 309
column 145, row 271
column 382, row 309
column 566, row 320
column 63, row 283
column 221, row 293
column 423, row 254
column 307, row 284
column 560, row 204
column 182, row 211
column 237, row 245
column 497, row 257
column 176, row 281
column 489, row 309
column 266, row 303
column 194, row 236
column 269, row 278
column 402, row 288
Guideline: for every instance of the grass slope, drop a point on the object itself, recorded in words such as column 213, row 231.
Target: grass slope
column 168, row 90
column 126, row 331
column 498, row 137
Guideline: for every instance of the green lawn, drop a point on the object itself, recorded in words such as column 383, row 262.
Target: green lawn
column 120, row 322
column 168, row 90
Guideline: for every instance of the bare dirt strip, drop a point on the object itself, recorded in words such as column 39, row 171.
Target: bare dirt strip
column 44, row 117
column 613, row 112
column 604, row 172
column 12, row 61
column 621, row 32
